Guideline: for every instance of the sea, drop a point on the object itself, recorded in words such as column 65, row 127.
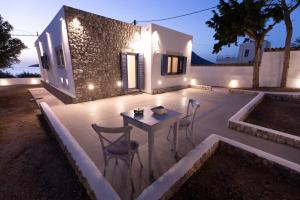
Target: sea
column 15, row 70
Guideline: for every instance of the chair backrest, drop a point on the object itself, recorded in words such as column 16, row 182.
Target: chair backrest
column 192, row 109
column 124, row 133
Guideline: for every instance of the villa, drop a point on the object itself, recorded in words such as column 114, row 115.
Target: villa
column 84, row 56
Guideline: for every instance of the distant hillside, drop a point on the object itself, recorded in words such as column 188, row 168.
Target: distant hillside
column 197, row 60
column 35, row 65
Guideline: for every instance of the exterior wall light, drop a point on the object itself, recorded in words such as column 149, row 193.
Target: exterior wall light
column 119, row 83
column 193, row 82
column 159, row 82
column 62, row 80
column 34, row 81
column 67, row 81
column 185, row 79
column 3, row 82
column 233, row 83
column 298, row 83
column 91, row 86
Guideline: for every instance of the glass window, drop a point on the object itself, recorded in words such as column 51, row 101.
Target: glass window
column 59, row 56
column 169, row 64
column 175, row 65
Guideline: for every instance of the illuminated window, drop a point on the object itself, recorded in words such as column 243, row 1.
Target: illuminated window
column 59, row 56
column 172, row 65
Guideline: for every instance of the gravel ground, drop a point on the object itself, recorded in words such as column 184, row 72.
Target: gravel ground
column 32, row 165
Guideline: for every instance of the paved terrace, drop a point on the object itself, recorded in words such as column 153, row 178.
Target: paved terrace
column 217, row 107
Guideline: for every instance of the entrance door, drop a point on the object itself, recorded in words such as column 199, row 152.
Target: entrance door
column 131, row 69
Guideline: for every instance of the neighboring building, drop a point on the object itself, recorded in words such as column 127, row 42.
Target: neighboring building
column 84, row 56
column 246, row 54
column 197, row 60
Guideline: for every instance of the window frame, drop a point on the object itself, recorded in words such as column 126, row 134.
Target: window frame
column 246, row 53
column 179, row 65
column 60, row 57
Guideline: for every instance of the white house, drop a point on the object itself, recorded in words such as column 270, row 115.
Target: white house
column 84, row 56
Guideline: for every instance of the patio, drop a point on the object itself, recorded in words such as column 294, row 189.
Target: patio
column 217, row 107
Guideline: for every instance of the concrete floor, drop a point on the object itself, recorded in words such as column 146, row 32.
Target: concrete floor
column 217, row 107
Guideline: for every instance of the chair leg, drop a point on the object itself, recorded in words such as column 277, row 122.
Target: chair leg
column 139, row 158
column 169, row 133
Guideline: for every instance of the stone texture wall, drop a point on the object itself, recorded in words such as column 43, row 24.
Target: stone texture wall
column 95, row 45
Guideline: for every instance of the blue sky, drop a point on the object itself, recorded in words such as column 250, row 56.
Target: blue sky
column 34, row 15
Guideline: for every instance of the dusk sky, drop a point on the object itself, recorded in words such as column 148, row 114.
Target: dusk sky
column 31, row 16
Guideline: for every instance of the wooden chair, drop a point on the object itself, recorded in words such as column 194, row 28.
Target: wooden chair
column 187, row 122
column 121, row 148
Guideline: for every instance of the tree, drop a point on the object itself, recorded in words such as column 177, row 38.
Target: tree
column 287, row 9
column 251, row 18
column 296, row 43
column 10, row 48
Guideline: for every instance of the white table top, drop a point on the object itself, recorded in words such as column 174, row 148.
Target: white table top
column 149, row 119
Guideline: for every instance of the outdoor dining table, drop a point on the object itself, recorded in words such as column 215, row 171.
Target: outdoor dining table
column 151, row 123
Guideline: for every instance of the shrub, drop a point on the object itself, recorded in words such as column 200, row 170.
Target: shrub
column 6, row 75
column 28, row 75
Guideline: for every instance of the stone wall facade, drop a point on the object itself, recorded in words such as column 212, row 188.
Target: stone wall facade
column 95, row 45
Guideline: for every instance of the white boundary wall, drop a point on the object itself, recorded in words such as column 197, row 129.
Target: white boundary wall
column 19, row 81
column 271, row 69
column 222, row 76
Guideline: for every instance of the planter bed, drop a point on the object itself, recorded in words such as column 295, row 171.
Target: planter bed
column 270, row 116
column 277, row 113
column 232, row 173
column 221, row 168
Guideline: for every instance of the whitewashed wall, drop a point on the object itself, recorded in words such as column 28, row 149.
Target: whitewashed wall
column 55, row 35
column 19, row 81
column 271, row 69
column 164, row 41
column 222, row 76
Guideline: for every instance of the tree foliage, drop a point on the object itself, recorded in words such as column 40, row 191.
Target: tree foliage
column 10, row 48
column 236, row 19
column 247, row 18
column 296, row 43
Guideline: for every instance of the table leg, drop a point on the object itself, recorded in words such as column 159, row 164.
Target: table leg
column 175, row 131
column 150, row 153
column 125, row 122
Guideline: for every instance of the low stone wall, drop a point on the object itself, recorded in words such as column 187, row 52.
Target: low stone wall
column 67, row 99
column 166, row 185
column 168, row 89
column 236, row 122
column 19, row 81
column 89, row 175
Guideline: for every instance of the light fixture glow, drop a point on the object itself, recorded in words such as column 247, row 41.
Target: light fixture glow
column 91, row 86
column 119, row 83
column 159, row 82
column 67, row 81
column 233, row 83
column 185, row 79
column 3, row 82
column 298, row 83
column 193, row 81
column 34, row 81
column 62, row 80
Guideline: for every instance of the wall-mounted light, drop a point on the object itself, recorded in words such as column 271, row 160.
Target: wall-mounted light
column 233, row 83
column 193, row 82
column 34, row 81
column 62, row 80
column 3, row 82
column 119, row 83
column 156, row 42
column 61, row 19
column 185, row 79
column 91, row 86
column 298, row 83
column 67, row 81
column 159, row 82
